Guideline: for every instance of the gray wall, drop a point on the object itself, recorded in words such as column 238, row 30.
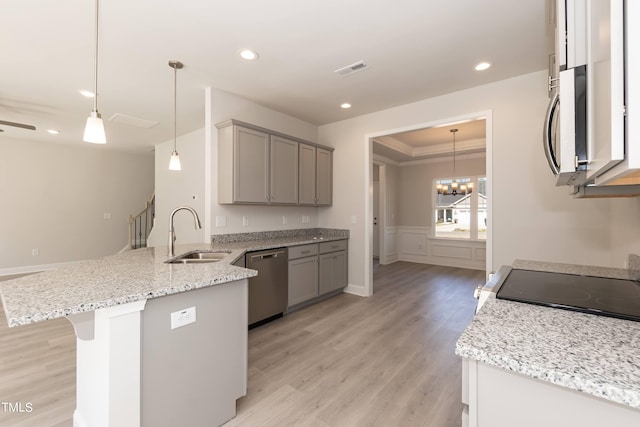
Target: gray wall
column 54, row 198
column 192, row 375
column 416, row 183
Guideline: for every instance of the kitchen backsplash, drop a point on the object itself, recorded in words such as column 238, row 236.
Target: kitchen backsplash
column 276, row 234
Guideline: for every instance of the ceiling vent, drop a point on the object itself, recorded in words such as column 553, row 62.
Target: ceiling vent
column 132, row 121
column 352, row 69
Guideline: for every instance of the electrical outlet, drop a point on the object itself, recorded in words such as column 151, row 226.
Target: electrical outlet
column 221, row 221
column 183, row 317
column 305, row 219
column 353, row 219
column 35, row 252
column 284, row 220
column 245, row 221
column 107, row 215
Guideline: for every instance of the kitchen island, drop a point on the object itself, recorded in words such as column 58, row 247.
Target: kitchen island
column 129, row 357
column 530, row 365
column 133, row 367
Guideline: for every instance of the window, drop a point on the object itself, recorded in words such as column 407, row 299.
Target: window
column 461, row 216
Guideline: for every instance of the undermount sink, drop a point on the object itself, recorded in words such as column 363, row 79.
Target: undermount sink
column 198, row 257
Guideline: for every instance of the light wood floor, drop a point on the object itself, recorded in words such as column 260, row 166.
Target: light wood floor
column 385, row 361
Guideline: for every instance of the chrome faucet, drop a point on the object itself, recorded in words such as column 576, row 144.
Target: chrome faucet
column 172, row 231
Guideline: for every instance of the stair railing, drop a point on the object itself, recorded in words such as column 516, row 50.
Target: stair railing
column 140, row 225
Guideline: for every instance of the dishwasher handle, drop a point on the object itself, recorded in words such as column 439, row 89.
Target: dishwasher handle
column 267, row 255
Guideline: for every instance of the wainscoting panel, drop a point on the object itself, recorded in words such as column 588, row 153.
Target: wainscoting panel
column 416, row 245
column 442, row 250
column 413, row 240
column 390, row 250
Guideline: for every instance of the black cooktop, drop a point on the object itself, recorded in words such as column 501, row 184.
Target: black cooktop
column 596, row 295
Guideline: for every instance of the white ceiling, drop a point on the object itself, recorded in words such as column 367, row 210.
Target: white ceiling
column 415, row 49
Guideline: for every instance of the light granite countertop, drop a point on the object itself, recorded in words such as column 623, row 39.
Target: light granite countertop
column 133, row 276
column 593, row 354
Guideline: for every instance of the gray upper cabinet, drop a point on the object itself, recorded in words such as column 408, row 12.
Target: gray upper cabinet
column 315, row 176
column 250, row 166
column 324, row 177
column 307, row 175
column 259, row 166
column 284, row 171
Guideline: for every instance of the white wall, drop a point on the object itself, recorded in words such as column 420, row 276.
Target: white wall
column 54, row 198
column 199, row 156
column 532, row 219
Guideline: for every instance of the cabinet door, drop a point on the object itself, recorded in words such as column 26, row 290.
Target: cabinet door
column 324, row 175
column 333, row 271
column 284, row 171
column 339, row 279
column 307, row 175
column 251, row 166
column 303, row 280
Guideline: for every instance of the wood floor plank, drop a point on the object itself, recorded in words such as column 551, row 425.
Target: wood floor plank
column 386, row 360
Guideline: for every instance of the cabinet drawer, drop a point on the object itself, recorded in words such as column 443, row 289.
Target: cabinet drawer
column 303, row 251
column 338, row 245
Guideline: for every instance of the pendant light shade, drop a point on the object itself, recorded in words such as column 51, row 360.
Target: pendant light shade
column 94, row 129
column 174, row 162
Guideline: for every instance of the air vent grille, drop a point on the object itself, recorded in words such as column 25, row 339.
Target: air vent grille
column 352, row 69
column 132, row 121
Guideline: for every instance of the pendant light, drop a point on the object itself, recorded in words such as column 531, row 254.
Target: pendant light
column 174, row 162
column 463, row 188
column 94, row 129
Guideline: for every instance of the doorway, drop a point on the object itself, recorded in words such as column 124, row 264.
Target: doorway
column 402, row 154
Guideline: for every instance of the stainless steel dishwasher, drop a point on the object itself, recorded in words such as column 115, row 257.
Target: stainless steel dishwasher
column 268, row 291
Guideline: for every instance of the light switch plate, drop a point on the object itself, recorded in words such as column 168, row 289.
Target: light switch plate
column 183, row 317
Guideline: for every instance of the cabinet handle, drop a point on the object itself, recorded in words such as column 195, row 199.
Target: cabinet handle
column 305, row 252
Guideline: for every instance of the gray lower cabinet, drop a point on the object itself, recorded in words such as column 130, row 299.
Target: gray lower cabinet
column 303, row 280
column 332, row 268
column 316, row 269
column 303, row 273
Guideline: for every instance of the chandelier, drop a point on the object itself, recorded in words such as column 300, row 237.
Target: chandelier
column 456, row 188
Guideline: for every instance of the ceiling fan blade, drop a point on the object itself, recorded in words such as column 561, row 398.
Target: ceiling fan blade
column 18, row 125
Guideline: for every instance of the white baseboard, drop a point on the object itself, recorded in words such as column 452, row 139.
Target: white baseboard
column 355, row 290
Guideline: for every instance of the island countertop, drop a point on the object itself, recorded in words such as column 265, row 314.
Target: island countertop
column 593, row 354
column 136, row 275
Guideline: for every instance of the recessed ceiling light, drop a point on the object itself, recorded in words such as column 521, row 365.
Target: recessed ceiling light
column 482, row 66
column 53, row 131
column 87, row 93
column 345, row 105
column 248, row 54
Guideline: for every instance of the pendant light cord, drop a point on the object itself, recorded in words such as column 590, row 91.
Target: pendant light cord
column 454, row 154
column 175, row 107
column 95, row 63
